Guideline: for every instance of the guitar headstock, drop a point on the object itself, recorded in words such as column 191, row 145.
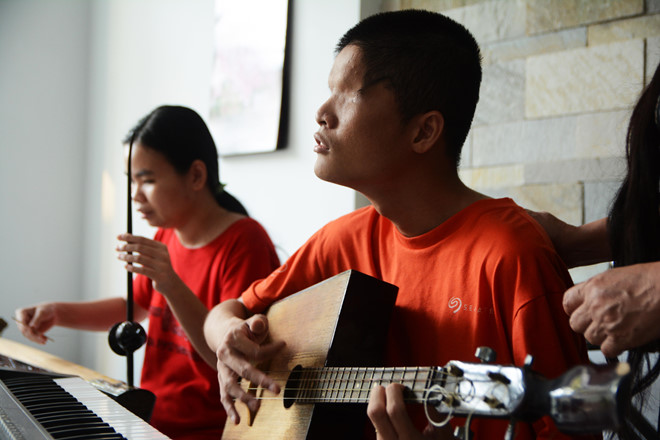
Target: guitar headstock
column 481, row 390
column 585, row 399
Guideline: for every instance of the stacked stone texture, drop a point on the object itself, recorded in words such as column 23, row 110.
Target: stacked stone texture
column 560, row 80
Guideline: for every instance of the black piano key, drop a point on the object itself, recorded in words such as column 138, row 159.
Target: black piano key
column 58, row 409
column 91, row 428
column 42, row 400
column 38, row 403
column 45, row 417
column 73, row 419
column 90, row 436
column 88, row 430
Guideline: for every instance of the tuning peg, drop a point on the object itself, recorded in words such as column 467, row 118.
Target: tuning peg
column 485, row 354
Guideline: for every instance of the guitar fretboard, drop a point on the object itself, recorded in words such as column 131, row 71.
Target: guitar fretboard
column 353, row 385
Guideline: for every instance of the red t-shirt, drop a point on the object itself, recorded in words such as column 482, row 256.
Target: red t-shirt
column 488, row 276
column 186, row 388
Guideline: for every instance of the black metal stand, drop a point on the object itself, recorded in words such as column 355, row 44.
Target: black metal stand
column 128, row 336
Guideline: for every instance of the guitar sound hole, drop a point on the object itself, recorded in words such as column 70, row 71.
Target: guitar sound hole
column 292, row 386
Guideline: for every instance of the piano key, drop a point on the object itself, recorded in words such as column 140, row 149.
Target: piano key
column 74, row 410
column 121, row 419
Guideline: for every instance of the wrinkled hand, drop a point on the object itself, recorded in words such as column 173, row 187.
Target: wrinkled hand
column 152, row 258
column 243, row 345
column 618, row 309
column 388, row 414
column 35, row 321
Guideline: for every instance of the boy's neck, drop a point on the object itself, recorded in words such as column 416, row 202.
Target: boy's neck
column 422, row 207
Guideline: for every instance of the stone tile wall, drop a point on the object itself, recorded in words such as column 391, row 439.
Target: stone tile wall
column 560, row 78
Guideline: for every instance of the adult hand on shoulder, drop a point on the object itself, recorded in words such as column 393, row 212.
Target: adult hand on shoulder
column 239, row 344
column 388, row 414
column 617, row 309
column 152, row 258
column 35, row 321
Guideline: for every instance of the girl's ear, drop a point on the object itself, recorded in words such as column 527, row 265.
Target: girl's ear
column 197, row 174
column 428, row 128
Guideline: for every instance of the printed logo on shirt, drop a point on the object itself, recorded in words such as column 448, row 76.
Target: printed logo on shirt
column 456, row 305
column 168, row 323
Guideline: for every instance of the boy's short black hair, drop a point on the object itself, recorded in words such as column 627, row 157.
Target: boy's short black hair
column 431, row 63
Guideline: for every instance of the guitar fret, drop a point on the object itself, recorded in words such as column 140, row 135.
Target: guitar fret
column 334, row 391
column 415, row 380
column 361, row 392
column 319, row 394
column 371, row 381
column 332, row 383
column 351, row 381
column 345, row 377
column 327, row 386
column 353, row 384
column 319, row 389
column 380, row 376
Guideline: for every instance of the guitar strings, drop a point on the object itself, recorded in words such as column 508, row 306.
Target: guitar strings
column 314, row 390
column 361, row 373
column 334, row 381
column 328, row 384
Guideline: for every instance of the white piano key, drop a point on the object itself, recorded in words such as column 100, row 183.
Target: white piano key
column 122, row 420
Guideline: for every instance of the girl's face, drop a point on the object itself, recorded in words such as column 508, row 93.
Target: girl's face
column 160, row 194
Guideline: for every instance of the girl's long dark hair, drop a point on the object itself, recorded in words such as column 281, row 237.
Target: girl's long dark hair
column 181, row 135
column 634, row 221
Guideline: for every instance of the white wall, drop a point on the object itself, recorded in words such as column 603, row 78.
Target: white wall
column 43, row 127
column 75, row 76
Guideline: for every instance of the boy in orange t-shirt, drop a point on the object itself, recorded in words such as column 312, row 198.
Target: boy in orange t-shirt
column 471, row 270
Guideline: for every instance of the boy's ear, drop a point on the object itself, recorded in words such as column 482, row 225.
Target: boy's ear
column 197, row 174
column 428, row 128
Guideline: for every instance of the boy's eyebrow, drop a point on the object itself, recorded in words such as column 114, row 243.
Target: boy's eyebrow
column 373, row 82
column 141, row 173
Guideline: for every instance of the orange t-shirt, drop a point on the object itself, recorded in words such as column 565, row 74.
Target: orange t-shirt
column 488, row 276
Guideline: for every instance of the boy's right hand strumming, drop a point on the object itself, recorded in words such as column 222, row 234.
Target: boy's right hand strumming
column 239, row 344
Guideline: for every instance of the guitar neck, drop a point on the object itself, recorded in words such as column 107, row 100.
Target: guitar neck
column 354, row 384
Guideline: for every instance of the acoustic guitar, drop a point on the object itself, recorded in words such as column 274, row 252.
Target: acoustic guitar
column 336, row 331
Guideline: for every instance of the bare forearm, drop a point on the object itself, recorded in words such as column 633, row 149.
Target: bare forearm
column 576, row 245
column 218, row 317
column 589, row 244
column 98, row 315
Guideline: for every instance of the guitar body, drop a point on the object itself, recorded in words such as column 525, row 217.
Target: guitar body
column 342, row 321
